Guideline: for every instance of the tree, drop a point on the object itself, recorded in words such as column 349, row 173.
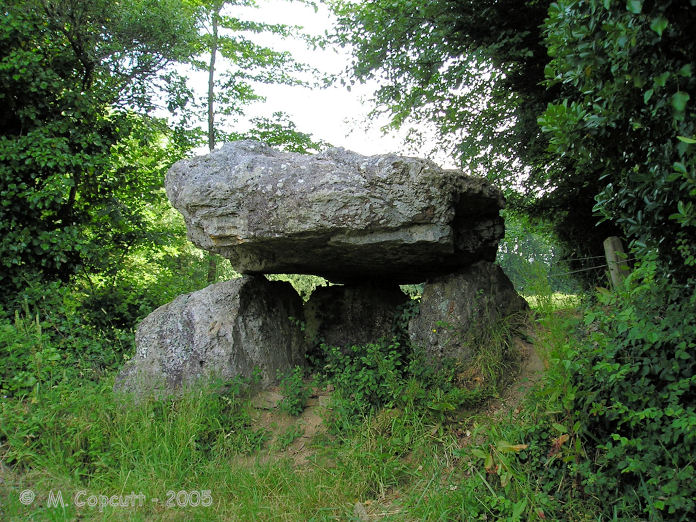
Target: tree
column 627, row 117
column 280, row 132
column 231, row 87
column 475, row 69
column 245, row 64
column 472, row 68
column 72, row 75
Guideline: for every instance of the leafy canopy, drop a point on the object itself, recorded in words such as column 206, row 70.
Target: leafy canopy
column 229, row 51
column 627, row 71
column 475, row 71
column 472, row 68
column 71, row 73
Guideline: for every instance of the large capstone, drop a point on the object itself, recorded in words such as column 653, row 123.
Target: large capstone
column 227, row 330
column 350, row 315
column 337, row 214
column 461, row 310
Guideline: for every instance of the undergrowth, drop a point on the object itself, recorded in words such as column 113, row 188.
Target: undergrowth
column 606, row 434
column 635, row 374
column 295, row 391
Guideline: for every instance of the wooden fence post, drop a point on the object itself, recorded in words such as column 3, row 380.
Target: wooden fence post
column 616, row 261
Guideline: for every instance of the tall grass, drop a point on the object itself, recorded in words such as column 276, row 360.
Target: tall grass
column 405, row 443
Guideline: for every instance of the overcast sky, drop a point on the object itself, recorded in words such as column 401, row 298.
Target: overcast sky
column 335, row 114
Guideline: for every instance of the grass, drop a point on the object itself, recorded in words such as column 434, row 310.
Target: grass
column 554, row 301
column 410, row 459
column 155, row 449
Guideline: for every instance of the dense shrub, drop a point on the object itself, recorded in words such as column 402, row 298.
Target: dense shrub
column 625, row 120
column 370, row 375
column 45, row 339
column 636, row 392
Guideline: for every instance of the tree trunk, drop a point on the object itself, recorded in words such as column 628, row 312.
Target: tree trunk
column 211, row 80
column 212, row 260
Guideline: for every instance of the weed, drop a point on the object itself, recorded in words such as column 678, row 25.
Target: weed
column 295, row 391
column 287, row 437
column 366, row 377
column 404, row 313
column 28, row 359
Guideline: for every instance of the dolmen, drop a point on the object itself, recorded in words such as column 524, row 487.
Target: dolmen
column 366, row 224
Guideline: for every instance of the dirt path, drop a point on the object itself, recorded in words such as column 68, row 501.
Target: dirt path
column 302, row 429
column 531, row 370
column 292, row 436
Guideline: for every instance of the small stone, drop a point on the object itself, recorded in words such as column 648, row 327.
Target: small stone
column 360, row 512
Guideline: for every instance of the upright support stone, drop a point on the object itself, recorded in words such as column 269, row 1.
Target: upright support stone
column 616, row 261
column 349, row 315
column 459, row 309
column 227, row 330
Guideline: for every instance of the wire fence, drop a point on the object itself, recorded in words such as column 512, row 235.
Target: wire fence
column 597, row 267
column 578, row 271
column 583, row 258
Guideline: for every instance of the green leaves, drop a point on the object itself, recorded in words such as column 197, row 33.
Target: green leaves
column 295, row 391
column 686, row 213
column 474, row 72
column 282, row 133
column 227, row 50
column 679, row 100
column 636, row 98
column 77, row 165
column 659, row 24
column 634, row 381
column 634, row 6
column 661, row 79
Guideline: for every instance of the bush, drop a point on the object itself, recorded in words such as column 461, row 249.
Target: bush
column 295, row 392
column 636, row 390
column 625, row 120
column 370, row 375
column 119, row 306
column 45, row 338
column 303, row 284
column 27, row 356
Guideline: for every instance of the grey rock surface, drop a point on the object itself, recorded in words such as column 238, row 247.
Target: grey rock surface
column 457, row 309
column 352, row 314
column 226, row 330
column 336, row 214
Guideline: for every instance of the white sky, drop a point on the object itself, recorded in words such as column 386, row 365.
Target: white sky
column 335, row 114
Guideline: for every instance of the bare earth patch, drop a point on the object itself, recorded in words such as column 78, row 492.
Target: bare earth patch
column 267, row 415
